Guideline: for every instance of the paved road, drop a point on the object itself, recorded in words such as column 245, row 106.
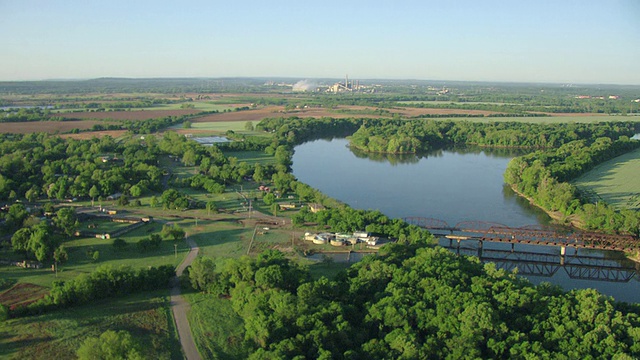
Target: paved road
column 180, row 307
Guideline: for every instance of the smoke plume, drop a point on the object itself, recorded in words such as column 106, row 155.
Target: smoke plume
column 304, row 85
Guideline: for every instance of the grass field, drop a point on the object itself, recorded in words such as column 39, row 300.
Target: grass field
column 58, row 334
column 616, row 181
column 219, row 127
column 217, row 330
column 251, row 157
column 80, row 261
column 198, row 105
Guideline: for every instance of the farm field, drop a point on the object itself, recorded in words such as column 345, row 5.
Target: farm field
column 51, row 127
column 197, row 105
column 217, row 127
column 58, row 334
column 126, row 115
column 251, row 157
column 615, row 181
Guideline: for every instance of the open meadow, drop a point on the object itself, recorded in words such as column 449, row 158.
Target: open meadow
column 617, row 181
column 81, row 252
column 57, row 335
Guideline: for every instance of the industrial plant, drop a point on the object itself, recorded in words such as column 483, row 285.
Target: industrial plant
column 346, row 86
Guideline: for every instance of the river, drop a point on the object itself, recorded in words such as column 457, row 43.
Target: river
column 453, row 185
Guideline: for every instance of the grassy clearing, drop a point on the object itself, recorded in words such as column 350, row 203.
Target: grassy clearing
column 221, row 239
column 251, row 157
column 218, row 331
column 80, row 261
column 615, row 181
column 58, row 334
column 223, row 126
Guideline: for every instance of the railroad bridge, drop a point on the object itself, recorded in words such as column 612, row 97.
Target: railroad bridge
column 531, row 235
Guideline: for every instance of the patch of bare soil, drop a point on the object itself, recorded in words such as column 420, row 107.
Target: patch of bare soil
column 21, row 294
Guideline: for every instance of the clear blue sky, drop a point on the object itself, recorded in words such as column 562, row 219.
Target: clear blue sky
column 561, row 41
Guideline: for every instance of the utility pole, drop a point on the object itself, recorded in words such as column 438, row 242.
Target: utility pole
column 175, row 246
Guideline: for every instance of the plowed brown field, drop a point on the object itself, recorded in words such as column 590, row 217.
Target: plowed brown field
column 50, row 127
column 127, row 115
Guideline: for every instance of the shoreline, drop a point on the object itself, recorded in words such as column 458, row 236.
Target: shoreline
column 573, row 223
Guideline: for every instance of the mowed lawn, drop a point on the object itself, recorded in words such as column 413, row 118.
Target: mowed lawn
column 616, row 181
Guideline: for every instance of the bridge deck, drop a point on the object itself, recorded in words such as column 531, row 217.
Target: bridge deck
column 483, row 231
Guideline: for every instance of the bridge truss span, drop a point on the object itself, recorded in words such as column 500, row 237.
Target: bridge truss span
column 532, row 234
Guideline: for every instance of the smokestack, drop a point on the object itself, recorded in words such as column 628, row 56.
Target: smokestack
column 346, row 81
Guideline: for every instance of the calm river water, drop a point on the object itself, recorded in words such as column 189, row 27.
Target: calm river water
column 449, row 185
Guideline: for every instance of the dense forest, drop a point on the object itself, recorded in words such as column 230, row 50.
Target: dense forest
column 414, row 302
column 413, row 136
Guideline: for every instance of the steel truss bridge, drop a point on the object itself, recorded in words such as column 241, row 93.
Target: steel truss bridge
column 547, row 265
column 532, row 235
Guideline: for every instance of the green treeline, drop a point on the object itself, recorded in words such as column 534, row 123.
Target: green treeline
column 412, row 136
column 346, row 219
column 295, row 130
column 414, row 302
column 106, row 281
column 543, row 176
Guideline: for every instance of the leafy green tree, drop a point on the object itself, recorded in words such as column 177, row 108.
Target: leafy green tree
column 201, row 273
column 189, row 158
column 174, row 232
column 211, row 206
column 283, row 181
column 20, row 240
column 66, row 221
column 258, row 173
column 60, row 255
column 94, row 192
column 123, row 200
column 32, row 194
column 16, row 215
column 119, row 244
column 135, row 191
column 269, row 199
column 111, row 345
column 248, row 126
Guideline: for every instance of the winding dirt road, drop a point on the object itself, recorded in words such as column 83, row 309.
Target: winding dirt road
column 180, row 307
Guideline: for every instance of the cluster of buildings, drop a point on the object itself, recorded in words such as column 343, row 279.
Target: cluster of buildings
column 339, row 239
column 610, row 97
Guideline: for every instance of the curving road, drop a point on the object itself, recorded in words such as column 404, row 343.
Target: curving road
column 180, row 307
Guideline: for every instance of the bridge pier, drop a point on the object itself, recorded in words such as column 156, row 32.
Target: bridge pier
column 563, row 253
column 480, row 249
column 513, row 247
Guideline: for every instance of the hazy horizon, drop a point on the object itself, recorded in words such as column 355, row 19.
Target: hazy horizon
column 547, row 42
